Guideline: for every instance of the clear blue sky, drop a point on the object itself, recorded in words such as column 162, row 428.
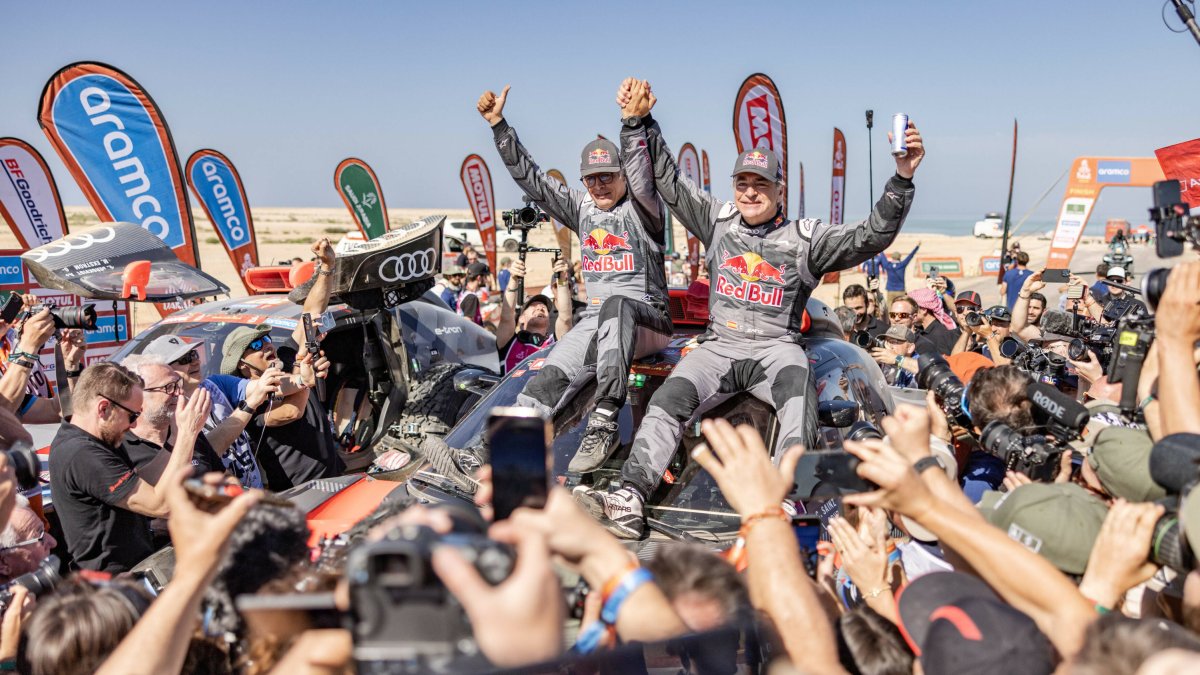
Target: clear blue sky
column 287, row 89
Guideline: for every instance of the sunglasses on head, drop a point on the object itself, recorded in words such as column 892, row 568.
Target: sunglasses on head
column 899, row 315
column 133, row 414
column 258, row 343
column 602, row 178
column 187, row 359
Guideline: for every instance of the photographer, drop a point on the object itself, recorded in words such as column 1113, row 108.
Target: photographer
column 897, row 357
column 519, row 336
column 620, row 224
column 471, row 297
column 24, row 386
column 981, row 332
column 856, row 298
column 933, row 322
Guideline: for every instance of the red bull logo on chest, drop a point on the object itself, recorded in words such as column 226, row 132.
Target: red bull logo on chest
column 755, row 273
column 606, row 244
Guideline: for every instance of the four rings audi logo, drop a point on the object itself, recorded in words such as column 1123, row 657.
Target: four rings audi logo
column 405, row 266
column 74, row 242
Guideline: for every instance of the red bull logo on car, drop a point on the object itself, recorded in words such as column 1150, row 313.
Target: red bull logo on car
column 756, row 158
column 604, row 243
column 599, row 156
column 754, row 273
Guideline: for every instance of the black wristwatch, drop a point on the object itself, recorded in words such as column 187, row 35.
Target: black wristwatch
column 245, row 408
column 929, row 462
column 633, row 122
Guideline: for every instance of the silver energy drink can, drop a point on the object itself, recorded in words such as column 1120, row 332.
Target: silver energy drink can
column 899, row 126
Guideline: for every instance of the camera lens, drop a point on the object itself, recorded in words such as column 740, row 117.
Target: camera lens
column 974, row 319
column 1169, row 549
column 1077, row 350
column 861, row 338
column 75, row 317
column 1010, row 347
column 1153, row 285
column 527, row 216
column 26, row 465
column 43, row 579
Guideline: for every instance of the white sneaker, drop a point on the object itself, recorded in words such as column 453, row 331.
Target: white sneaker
column 619, row 511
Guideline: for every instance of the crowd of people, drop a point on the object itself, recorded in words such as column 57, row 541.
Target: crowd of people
column 991, row 530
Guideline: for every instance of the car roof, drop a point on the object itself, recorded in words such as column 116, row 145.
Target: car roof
column 276, row 310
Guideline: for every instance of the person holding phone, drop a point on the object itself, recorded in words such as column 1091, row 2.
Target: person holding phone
column 620, row 223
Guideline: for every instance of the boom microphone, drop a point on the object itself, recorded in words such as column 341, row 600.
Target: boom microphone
column 1175, row 461
column 1057, row 321
column 1061, row 413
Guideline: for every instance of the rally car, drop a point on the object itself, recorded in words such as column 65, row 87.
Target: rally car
column 852, row 397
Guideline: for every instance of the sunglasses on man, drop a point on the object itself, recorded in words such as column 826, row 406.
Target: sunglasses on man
column 133, row 414
column 601, row 178
column 899, row 315
column 187, row 359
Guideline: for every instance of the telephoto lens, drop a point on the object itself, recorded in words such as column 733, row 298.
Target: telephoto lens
column 973, row 319
column 1153, row 285
column 74, row 317
column 935, row 375
column 1168, row 548
column 27, row 467
column 37, row 582
column 861, row 338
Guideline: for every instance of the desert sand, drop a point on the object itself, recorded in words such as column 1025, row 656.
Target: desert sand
column 284, row 233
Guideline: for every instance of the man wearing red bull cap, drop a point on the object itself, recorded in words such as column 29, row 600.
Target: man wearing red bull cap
column 763, row 268
column 620, row 224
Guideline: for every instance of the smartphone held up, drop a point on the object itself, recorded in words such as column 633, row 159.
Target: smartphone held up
column 519, row 444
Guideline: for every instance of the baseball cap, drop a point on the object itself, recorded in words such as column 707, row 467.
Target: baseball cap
column 236, row 342
column 538, row 298
column 168, row 347
column 758, row 161
column 899, row 332
column 955, row 624
column 599, row 156
column 1116, row 271
column 477, row 269
column 1058, row 521
column 998, row 313
column 450, row 269
column 969, row 297
column 1120, row 457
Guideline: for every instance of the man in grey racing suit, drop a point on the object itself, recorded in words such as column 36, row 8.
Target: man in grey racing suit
column 620, row 223
column 763, row 268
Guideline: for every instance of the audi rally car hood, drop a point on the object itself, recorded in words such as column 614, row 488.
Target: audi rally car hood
column 92, row 265
column 406, row 255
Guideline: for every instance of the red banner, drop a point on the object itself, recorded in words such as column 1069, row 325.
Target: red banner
column 1182, row 163
column 29, row 199
column 837, row 191
column 759, row 122
column 689, row 165
column 477, row 182
column 561, row 232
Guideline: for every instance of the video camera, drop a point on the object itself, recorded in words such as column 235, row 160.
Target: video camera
column 525, row 218
column 1173, row 226
column 1038, row 455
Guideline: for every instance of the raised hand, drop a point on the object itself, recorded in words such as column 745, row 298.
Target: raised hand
column 907, row 165
column 74, row 346
column 739, row 462
column 907, row 430
column 257, row 391
column 1119, row 556
column 641, row 100
column 625, row 92
column 192, row 412
column 1033, row 282
column 491, row 106
column 324, row 252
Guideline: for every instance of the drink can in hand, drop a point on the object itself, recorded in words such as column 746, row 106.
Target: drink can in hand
column 899, row 126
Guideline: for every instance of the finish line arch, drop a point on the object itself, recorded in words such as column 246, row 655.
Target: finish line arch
column 1090, row 175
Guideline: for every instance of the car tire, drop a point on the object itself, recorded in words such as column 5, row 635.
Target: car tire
column 434, row 405
column 511, row 245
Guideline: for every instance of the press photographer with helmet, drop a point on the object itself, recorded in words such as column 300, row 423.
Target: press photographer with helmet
column 620, row 224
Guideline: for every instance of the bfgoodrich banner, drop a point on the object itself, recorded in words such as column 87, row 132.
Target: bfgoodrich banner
column 359, row 188
column 115, row 142
column 217, row 185
column 29, row 199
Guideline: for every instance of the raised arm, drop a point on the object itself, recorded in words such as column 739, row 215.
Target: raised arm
column 696, row 210
column 556, row 199
column 909, row 257
column 1020, row 312
column 639, row 170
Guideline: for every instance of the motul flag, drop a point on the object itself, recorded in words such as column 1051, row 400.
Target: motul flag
column 477, row 182
column 837, row 195
column 115, row 142
column 1182, row 162
column 689, row 164
column 758, row 120
column 704, row 169
column 218, row 187
column 359, row 188
column 561, row 232
column 29, row 198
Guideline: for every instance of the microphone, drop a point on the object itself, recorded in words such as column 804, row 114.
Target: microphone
column 1175, row 461
column 1057, row 321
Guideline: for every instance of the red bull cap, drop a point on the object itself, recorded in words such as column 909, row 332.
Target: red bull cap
column 759, row 161
column 599, row 156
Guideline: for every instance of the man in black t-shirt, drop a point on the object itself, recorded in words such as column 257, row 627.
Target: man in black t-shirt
column 150, row 443
column 103, row 504
column 855, row 297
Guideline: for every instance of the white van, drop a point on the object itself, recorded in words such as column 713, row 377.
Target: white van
column 465, row 229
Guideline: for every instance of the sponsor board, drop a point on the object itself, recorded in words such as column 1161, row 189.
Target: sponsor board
column 946, row 266
column 29, row 199
column 363, row 196
column 477, row 183
column 1111, row 171
column 989, row 264
column 116, row 143
column 218, row 187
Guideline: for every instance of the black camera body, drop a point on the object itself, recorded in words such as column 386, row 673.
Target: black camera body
column 401, row 616
column 1032, row 455
column 37, row 582
column 935, row 375
column 525, row 218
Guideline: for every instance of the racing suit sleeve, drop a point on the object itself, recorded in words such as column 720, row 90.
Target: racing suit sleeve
column 838, row 247
column 556, row 199
column 639, row 171
column 696, row 209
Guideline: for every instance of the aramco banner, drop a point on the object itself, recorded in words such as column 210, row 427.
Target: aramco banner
column 218, row 187
column 29, row 199
column 359, row 188
column 561, row 232
column 758, row 120
column 477, row 182
column 115, row 142
column 689, row 164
